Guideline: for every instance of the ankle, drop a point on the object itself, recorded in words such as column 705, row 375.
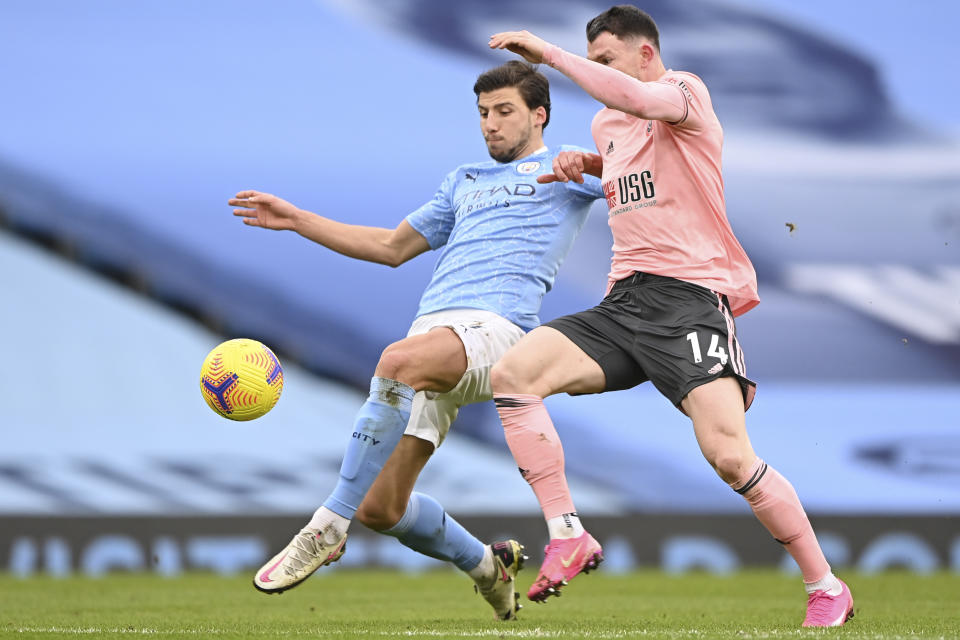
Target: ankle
column 484, row 573
column 328, row 523
column 828, row 583
column 565, row 526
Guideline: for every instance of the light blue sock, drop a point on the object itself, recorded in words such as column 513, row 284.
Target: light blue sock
column 426, row 528
column 380, row 425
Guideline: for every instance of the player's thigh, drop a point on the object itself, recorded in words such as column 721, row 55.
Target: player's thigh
column 434, row 360
column 486, row 336
column 546, row 362
column 684, row 337
column 387, row 498
column 432, row 413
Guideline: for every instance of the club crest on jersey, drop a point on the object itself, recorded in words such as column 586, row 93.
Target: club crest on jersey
column 528, row 167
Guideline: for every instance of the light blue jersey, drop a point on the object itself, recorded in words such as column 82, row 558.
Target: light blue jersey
column 503, row 234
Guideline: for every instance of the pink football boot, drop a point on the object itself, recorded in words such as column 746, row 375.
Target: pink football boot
column 824, row 610
column 565, row 558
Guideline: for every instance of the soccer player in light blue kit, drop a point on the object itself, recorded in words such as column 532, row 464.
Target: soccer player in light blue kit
column 503, row 237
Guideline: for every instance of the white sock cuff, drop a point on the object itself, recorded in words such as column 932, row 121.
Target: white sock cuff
column 828, row 583
column 565, row 526
column 324, row 518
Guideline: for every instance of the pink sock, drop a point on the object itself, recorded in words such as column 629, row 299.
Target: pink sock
column 776, row 505
column 536, row 447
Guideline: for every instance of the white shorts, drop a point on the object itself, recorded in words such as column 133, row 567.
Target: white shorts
column 486, row 337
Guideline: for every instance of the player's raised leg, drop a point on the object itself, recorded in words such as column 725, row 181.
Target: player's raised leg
column 717, row 411
column 543, row 363
column 434, row 360
column 420, row 523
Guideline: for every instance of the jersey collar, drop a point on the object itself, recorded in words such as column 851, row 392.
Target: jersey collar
column 535, row 153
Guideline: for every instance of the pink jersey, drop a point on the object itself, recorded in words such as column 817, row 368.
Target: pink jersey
column 663, row 183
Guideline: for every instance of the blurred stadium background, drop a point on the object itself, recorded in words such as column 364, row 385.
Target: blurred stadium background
column 124, row 128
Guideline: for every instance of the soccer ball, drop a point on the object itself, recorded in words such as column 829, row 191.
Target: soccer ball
column 241, row 379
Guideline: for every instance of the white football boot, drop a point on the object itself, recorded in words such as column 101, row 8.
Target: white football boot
column 501, row 591
column 306, row 553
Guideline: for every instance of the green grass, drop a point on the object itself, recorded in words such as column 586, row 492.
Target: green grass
column 363, row 604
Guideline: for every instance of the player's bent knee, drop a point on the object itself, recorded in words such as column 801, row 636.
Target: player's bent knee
column 730, row 465
column 507, row 378
column 406, row 364
column 377, row 516
column 500, row 378
column 396, row 363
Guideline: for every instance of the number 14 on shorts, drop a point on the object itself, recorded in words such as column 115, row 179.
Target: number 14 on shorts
column 715, row 350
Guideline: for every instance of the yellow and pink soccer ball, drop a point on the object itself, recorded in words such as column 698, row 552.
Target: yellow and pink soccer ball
column 241, row 379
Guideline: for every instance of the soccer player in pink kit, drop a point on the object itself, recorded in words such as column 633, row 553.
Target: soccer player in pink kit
column 678, row 278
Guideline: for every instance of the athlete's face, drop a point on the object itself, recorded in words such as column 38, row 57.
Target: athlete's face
column 510, row 128
column 631, row 55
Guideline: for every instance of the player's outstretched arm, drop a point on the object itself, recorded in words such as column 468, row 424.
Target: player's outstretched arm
column 391, row 247
column 571, row 165
column 615, row 89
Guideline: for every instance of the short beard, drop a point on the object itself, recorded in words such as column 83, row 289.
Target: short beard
column 514, row 152
column 509, row 155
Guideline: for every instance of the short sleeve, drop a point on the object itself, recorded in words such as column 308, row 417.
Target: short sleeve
column 696, row 99
column 589, row 190
column 434, row 220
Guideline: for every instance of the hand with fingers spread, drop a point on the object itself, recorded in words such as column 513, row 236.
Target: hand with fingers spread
column 523, row 43
column 571, row 165
column 265, row 210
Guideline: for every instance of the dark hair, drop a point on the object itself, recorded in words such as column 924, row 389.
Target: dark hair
column 623, row 21
column 533, row 86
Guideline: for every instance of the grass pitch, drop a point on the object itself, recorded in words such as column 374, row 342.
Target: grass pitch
column 366, row 604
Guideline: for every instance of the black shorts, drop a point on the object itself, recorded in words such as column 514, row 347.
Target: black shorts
column 676, row 334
